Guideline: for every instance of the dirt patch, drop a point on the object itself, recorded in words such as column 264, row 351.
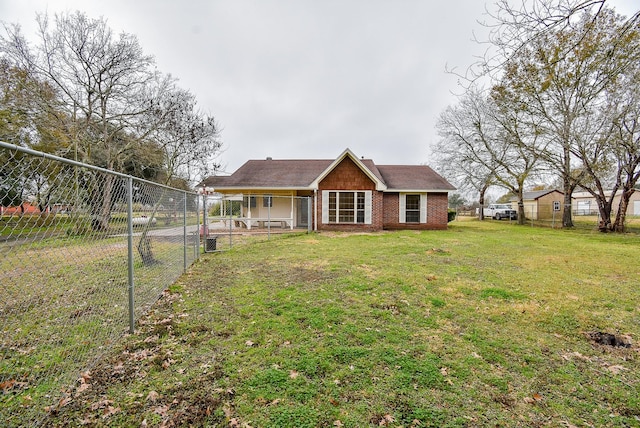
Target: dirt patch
column 609, row 339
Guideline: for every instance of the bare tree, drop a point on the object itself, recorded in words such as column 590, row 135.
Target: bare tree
column 625, row 142
column 457, row 156
column 100, row 80
column 491, row 137
column 513, row 26
column 116, row 110
column 562, row 77
column 187, row 138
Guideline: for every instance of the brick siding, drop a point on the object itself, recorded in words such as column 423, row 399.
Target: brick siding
column 384, row 206
column 348, row 176
column 437, row 206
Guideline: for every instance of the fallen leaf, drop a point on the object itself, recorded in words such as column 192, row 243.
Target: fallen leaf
column 337, row 423
column 83, row 387
column 161, row 410
column 153, row 396
column 85, row 376
column 64, row 401
column 101, row 404
column 7, row 384
column 444, row 371
column 118, row 368
column 386, row 420
column 109, row 411
column 293, row 374
column 248, row 343
column 537, row 397
column 616, row 369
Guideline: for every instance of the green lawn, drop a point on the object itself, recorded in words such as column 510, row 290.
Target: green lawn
column 486, row 324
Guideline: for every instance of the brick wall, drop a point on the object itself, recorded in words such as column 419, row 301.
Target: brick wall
column 348, row 176
column 437, row 204
column 384, row 206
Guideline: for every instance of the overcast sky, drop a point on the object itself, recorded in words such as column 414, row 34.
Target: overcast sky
column 301, row 78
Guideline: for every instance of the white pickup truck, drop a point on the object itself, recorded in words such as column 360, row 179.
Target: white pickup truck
column 500, row 211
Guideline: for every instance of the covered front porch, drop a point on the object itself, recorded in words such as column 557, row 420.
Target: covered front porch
column 264, row 210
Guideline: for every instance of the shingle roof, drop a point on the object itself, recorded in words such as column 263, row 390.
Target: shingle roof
column 291, row 174
column 413, row 177
column 272, row 174
column 527, row 196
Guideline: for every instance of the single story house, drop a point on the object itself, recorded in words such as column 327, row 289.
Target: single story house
column 585, row 204
column 346, row 193
column 540, row 204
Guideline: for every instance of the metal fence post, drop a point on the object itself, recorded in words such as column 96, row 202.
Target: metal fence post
column 184, row 229
column 132, row 320
column 230, row 224
column 268, row 218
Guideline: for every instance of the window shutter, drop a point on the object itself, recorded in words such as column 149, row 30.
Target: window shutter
column 423, row 208
column 402, row 209
column 367, row 206
column 325, row 206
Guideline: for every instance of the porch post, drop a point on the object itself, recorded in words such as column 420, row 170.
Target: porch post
column 249, row 211
column 315, row 210
column 291, row 216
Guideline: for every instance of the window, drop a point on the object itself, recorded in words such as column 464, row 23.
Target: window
column 412, row 209
column 346, row 207
column 332, row 207
column 249, row 200
column 267, row 201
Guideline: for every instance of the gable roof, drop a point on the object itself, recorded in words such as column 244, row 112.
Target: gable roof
column 537, row 194
column 289, row 174
column 369, row 171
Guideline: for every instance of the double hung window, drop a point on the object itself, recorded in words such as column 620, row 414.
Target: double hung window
column 346, row 206
column 413, row 208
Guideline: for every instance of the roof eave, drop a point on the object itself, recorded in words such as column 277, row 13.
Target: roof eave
column 380, row 186
column 419, row 190
column 237, row 188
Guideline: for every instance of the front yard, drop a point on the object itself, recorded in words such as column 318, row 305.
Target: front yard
column 486, row 324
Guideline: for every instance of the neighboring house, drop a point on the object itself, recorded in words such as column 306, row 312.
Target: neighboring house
column 585, row 204
column 25, row 208
column 346, row 193
column 541, row 204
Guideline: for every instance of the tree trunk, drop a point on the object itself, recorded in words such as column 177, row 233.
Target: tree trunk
column 567, row 220
column 481, row 202
column 604, row 210
column 102, row 215
column 621, row 216
column 521, row 217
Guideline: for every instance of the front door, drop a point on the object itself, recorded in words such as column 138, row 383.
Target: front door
column 302, row 212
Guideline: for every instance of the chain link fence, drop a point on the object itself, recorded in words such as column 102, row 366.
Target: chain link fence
column 238, row 219
column 550, row 215
column 84, row 252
